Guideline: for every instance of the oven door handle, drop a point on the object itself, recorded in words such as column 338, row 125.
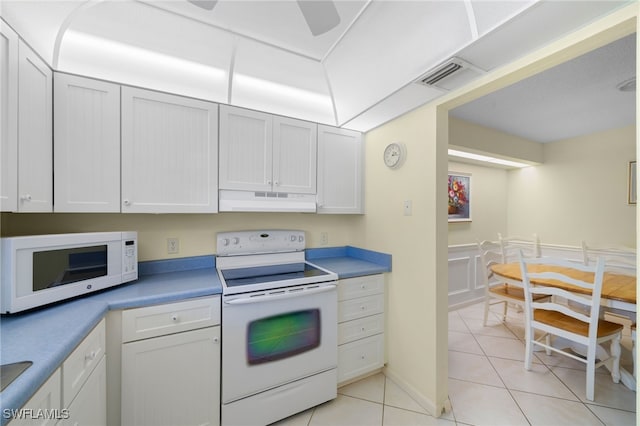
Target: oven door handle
column 280, row 296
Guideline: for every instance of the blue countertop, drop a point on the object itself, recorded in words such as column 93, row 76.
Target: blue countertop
column 48, row 335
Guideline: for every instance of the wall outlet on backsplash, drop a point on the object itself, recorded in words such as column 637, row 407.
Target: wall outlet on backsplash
column 173, row 245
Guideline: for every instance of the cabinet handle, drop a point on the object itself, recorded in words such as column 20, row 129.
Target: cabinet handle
column 174, row 318
column 268, row 182
column 126, row 202
column 26, row 197
column 216, row 340
column 363, row 308
column 362, row 286
column 276, row 183
column 91, row 356
column 363, row 356
column 362, row 329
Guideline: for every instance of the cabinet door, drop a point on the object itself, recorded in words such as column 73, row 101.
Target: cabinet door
column 246, row 149
column 169, row 153
column 90, row 406
column 8, row 119
column 173, row 379
column 294, row 155
column 340, row 167
column 86, row 145
column 46, row 399
column 35, row 138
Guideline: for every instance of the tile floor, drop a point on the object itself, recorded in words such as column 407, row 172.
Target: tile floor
column 487, row 386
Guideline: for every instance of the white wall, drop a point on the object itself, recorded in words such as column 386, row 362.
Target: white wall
column 580, row 192
column 196, row 232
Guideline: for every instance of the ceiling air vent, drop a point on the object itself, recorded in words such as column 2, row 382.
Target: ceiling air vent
column 453, row 73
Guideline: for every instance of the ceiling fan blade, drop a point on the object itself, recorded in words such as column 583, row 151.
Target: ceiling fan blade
column 204, row 4
column 321, row 15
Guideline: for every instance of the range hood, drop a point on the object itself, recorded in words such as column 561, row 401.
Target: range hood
column 260, row 201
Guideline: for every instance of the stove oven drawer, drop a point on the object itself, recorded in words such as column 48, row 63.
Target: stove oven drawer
column 160, row 320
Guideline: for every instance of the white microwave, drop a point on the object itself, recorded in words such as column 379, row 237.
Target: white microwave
column 42, row 269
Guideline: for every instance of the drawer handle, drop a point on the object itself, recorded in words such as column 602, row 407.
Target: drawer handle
column 91, row 356
column 363, row 308
column 363, row 356
column 362, row 286
column 362, row 329
column 174, row 318
column 216, row 340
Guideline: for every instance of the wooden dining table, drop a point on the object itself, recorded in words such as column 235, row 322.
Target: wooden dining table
column 618, row 291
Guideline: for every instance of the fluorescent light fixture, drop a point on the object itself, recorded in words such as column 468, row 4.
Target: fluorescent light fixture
column 486, row 159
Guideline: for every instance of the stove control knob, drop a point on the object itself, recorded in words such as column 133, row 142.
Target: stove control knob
column 236, row 240
column 225, row 242
column 301, row 238
column 293, row 238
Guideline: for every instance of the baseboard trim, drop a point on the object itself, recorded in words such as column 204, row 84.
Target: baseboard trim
column 432, row 408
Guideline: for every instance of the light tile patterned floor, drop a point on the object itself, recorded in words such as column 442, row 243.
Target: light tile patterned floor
column 488, row 385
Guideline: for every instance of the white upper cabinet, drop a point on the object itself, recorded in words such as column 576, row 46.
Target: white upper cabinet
column 246, row 147
column 8, row 118
column 35, row 133
column 340, row 170
column 262, row 152
column 169, row 153
column 86, row 145
column 295, row 151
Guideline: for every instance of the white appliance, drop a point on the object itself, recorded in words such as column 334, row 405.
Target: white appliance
column 42, row 269
column 279, row 327
column 260, row 201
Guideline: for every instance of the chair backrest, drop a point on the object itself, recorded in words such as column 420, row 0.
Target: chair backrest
column 619, row 260
column 490, row 254
column 512, row 246
column 589, row 278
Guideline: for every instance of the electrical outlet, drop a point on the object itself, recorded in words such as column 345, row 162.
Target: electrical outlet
column 324, row 238
column 408, row 207
column 173, row 245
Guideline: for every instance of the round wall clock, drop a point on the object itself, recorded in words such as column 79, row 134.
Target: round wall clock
column 394, row 155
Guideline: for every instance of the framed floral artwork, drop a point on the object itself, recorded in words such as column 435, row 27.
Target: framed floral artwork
column 459, row 197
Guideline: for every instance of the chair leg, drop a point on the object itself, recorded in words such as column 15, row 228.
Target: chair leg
column 615, row 354
column 547, row 340
column 504, row 312
column 633, row 349
column 591, row 374
column 528, row 354
column 487, row 301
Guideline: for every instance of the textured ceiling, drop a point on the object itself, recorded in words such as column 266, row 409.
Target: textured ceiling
column 574, row 98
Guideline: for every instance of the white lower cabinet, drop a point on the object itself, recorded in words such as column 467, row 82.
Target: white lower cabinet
column 46, row 400
column 75, row 394
column 89, row 407
column 360, row 326
column 174, row 377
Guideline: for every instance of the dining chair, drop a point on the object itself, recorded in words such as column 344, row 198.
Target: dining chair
column 571, row 328
column 618, row 259
column 511, row 246
column 496, row 292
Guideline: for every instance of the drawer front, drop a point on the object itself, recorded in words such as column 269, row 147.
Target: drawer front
column 160, row 320
column 352, row 288
column 82, row 361
column 359, row 308
column 360, row 328
column 46, row 398
column 360, row 357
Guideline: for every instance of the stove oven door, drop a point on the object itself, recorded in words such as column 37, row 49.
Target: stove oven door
column 277, row 338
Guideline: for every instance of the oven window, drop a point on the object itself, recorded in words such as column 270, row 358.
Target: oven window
column 282, row 336
column 54, row 268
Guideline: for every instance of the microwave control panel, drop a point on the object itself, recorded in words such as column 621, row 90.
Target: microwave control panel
column 129, row 257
